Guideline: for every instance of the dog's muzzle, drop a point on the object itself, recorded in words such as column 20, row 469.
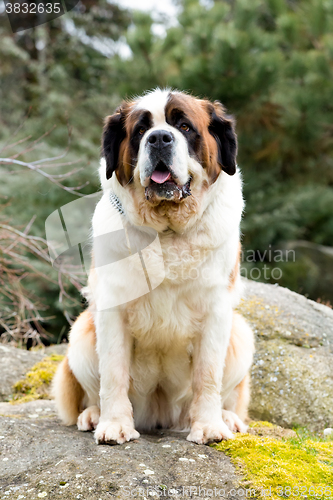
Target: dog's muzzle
column 163, row 183
column 160, row 146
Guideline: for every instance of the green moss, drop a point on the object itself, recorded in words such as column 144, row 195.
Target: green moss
column 254, row 425
column 271, row 466
column 36, row 384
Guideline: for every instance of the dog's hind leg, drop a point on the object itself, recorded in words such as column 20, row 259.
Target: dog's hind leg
column 235, row 407
column 76, row 384
column 243, row 397
column 88, row 419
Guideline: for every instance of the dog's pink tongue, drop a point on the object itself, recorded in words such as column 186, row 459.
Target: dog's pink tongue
column 160, row 177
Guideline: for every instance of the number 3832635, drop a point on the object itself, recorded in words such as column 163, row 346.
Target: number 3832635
column 304, row 491
column 33, row 8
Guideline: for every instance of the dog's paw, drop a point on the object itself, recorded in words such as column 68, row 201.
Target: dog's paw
column 233, row 422
column 88, row 419
column 114, row 433
column 206, row 433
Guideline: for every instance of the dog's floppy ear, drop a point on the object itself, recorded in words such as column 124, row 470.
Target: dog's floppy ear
column 114, row 133
column 222, row 128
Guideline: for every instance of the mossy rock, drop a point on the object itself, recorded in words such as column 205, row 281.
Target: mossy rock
column 292, row 376
column 37, row 382
column 15, row 363
column 278, row 463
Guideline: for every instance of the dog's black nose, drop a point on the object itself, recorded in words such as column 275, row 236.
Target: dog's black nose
column 160, row 139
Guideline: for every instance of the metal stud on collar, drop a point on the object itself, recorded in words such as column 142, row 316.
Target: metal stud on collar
column 116, row 203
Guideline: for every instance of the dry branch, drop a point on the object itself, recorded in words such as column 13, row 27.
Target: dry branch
column 22, row 313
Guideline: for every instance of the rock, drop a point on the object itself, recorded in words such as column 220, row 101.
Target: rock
column 60, row 349
column 270, row 430
column 14, row 364
column 41, row 458
column 292, row 384
column 292, row 374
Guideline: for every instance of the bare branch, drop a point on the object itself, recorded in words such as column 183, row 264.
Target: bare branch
column 50, row 177
column 16, row 143
column 33, row 144
column 18, row 128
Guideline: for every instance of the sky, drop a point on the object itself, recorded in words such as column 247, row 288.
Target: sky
column 156, row 7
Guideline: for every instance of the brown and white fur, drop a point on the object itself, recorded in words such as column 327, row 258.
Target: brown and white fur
column 177, row 356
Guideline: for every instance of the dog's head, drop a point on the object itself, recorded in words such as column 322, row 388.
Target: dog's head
column 168, row 144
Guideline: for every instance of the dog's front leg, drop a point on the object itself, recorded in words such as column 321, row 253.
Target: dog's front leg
column 116, row 424
column 209, row 354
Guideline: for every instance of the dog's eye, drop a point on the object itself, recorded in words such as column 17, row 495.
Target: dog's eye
column 141, row 130
column 185, row 127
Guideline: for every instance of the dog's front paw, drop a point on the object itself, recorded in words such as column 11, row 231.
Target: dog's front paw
column 233, row 421
column 115, row 433
column 202, row 433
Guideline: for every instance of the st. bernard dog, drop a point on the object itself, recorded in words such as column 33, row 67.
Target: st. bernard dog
column 174, row 355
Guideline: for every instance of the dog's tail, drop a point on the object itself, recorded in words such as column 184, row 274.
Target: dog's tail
column 68, row 393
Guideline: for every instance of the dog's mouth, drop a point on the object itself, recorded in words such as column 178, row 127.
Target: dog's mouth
column 163, row 186
column 161, row 174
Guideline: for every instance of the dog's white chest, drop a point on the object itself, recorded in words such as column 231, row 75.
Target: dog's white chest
column 167, row 315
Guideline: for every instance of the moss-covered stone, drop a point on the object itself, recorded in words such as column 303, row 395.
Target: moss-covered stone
column 297, row 466
column 256, row 425
column 262, row 428
column 36, row 384
column 292, row 377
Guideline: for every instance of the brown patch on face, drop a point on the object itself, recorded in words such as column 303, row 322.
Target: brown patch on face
column 115, row 144
column 222, row 128
column 124, row 171
column 129, row 149
column 197, row 112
